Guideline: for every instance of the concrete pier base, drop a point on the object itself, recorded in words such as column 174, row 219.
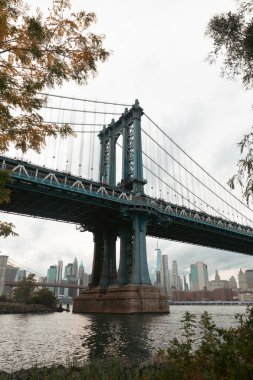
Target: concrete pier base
column 128, row 299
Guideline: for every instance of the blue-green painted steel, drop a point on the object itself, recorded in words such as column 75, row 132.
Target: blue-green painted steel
column 140, row 274
column 112, row 161
column 98, row 240
column 133, row 256
column 109, row 272
column 138, row 168
column 109, row 211
column 126, row 256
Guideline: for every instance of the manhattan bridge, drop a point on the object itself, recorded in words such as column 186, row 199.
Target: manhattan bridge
column 122, row 176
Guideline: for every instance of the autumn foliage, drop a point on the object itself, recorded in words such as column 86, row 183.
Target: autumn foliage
column 40, row 53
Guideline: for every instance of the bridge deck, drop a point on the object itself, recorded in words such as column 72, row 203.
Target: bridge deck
column 48, row 194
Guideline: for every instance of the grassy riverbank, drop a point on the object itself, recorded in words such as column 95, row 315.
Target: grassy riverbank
column 205, row 352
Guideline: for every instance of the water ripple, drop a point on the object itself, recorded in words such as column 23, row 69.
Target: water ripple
column 27, row 340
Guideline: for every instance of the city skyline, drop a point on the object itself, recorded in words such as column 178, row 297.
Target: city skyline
column 152, row 271
column 194, row 106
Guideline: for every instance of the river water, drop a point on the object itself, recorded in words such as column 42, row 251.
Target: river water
column 27, row 339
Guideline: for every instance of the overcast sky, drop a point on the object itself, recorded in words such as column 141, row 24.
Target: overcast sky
column 158, row 56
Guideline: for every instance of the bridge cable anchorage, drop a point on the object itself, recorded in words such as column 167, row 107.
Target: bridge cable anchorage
column 195, row 162
column 197, row 179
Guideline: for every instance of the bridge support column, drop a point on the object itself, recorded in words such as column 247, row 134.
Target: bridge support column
column 140, row 274
column 112, row 161
column 126, row 256
column 98, row 257
column 109, row 272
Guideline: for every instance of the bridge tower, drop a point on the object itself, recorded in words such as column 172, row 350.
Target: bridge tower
column 129, row 290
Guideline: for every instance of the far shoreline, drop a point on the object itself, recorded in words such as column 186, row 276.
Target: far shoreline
column 20, row 308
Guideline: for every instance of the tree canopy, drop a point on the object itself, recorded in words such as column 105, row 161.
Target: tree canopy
column 44, row 297
column 40, row 53
column 232, row 37
column 24, row 290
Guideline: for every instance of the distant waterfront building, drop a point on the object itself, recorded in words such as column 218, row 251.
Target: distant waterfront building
column 59, row 290
column 86, row 279
column 21, row 274
column 3, row 264
column 221, row 294
column 198, row 276
column 242, row 280
column 165, row 279
column 52, row 274
column 175, row 279
column 75, row 268
column 217, row 283
column 10, row 275
column 217, row 276
column 80, row 273
column 249, row 278
column 51, row 277
column 232, row 283
column 59, row 271
column 158, row 256
column 68, row 270
column 245, row 297
column 186, row 286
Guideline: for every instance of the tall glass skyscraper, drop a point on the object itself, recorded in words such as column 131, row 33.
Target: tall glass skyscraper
column 51, row 277
column 198, row 276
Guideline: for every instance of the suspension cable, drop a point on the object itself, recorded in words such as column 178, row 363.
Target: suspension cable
column 195, row 162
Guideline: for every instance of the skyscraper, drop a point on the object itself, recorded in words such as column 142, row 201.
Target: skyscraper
column 20, row 275
column 51, row 276
column 232, row 283
column 3, row 264
column 59, row 271
column 10, row 275
column 175, row 278
column 198, row 276
column 59, row 275
column 186, row 287
column 68, row 270
column 242, row 280
column 80, row 273
column 249, row 278
column 217, row 276
column 158, row 255
column 165, row 279
column 75, row 268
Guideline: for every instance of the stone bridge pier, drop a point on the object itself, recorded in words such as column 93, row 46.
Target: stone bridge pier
column 129, row 289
